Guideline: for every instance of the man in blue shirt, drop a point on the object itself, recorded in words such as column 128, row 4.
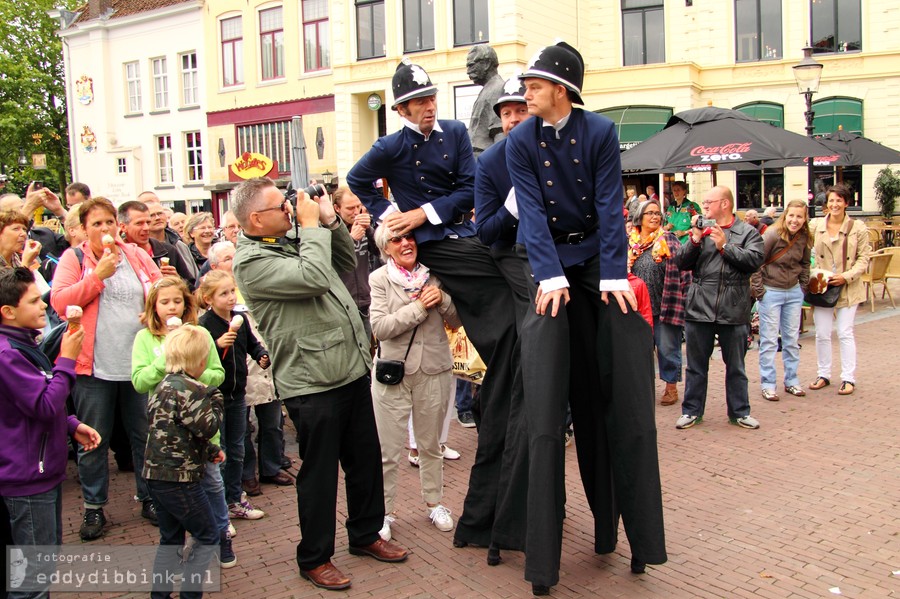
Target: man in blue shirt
column 431, row 172
column 576, row 347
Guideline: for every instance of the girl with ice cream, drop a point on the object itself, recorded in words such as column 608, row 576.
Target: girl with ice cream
column 169, row 305
column 234, row 340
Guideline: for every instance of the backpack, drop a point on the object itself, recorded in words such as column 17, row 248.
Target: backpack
column 53, row 338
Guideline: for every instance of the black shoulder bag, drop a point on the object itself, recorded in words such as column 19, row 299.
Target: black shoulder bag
column 390, row 372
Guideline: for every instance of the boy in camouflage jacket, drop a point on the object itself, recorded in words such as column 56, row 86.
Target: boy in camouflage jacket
column 184, row 416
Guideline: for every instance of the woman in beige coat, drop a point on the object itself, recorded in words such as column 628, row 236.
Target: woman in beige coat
column 408, row 310
column 830, row 235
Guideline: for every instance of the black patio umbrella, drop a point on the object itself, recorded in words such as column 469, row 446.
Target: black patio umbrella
column 710, row 138
column 846, row 149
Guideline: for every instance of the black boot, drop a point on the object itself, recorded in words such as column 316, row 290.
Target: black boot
column 493, row 556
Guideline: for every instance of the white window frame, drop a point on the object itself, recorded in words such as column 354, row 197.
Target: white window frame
column 133, row 86
column 193, row 156
column 121, row 166
column 190, row 79
column 160, row 70
column 165, row 171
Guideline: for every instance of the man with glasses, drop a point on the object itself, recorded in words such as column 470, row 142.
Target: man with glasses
column 230, row 227
column 160, row 231
column 320, row 361
column 721, row 252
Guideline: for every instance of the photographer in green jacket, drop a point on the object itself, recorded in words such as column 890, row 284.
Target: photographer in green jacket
column 320, row 358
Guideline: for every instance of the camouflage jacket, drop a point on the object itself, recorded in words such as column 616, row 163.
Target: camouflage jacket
column 184, row 416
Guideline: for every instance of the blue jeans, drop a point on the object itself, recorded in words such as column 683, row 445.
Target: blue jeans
column 180, row 507
column 700, row 339
column 667, row 338
column 269, row 436
column 215, row 492
column 779, row 312
column 234, row 428
column 465, row 400
column 95, row 405
column 36, row 520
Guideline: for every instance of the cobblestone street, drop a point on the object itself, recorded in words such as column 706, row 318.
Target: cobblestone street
column 807, row 506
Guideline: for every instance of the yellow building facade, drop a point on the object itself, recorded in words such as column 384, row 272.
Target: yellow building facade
column 645, row 60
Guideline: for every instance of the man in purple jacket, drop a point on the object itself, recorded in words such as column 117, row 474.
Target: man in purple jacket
column 33, row 420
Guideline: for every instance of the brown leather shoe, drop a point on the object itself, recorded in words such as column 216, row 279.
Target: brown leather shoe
column 251, row 487
column 383, row 551
column 326, row 576
column 281, row 479
column 670, row 396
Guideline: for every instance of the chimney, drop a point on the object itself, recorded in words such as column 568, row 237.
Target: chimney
column 96, row 8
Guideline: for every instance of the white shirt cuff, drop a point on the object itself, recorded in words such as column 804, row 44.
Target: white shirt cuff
column 390, row 210
column 553, row 284
column 614, row 285
column 432, row 214
column 510, row 203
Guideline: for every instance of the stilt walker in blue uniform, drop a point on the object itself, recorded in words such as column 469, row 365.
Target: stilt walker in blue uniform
column 577, row 346
column 431, row 172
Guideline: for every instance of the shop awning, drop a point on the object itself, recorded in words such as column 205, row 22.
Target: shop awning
column 634, row 124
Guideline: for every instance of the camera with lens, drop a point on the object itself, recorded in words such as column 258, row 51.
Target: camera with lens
column 316, row 190
column 706, row 223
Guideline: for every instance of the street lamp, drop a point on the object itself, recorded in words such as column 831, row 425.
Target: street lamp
column 808, row 74
column 22, row 160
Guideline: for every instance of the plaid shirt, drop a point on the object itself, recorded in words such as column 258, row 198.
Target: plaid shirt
column 675, row 284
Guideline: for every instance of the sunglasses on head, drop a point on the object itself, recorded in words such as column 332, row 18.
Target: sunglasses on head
column 398, row 238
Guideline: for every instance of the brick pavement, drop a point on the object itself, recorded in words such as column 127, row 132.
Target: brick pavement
column 805, row 504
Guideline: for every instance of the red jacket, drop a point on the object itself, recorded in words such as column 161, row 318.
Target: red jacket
column 77, row 285
column 643, row 298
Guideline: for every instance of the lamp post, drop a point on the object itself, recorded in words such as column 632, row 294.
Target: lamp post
column 22, row 160
column 808, row 74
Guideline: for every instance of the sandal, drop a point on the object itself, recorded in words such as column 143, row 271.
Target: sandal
column 847, row 388
column 819, row 383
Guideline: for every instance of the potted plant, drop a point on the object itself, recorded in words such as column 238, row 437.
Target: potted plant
column 887, row 190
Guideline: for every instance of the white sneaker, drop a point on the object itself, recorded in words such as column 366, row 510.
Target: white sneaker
column 244, row 510
column 232, row 532
column 440, row 516
column 385, row 532
column 687, row 421
column 449, row 453
column 746, row 422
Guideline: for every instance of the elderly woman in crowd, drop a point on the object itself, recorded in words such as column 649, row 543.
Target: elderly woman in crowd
column 200, row 229
column 778, row 286
column 15, row 248
column 842, row 248
column 650, row 251
column 408, row 312
column 109, row 280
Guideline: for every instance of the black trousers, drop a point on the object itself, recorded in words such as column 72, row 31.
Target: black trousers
column 511, row 519
column 336, row 427
column 613, row 403
column 600, row 362
column 484, row 303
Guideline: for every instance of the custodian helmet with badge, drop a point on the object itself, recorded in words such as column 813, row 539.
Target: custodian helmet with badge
column 560, row 63
column 513, row 91
column 410, row 81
